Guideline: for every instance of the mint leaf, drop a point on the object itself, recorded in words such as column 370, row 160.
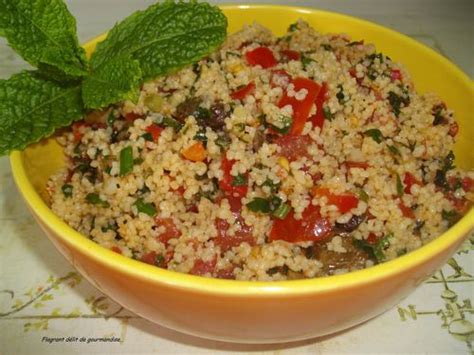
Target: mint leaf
column 165, row 37
column 116, row 80
column 43, row 32
column 32, row 108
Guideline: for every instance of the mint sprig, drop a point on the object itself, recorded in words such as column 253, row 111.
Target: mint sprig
column 157, row 41
column 43, row 32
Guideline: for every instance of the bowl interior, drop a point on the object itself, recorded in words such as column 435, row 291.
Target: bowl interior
column 430, row 71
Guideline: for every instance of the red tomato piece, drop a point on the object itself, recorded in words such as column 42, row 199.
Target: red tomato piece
column 262, row 56
column 372, row 238
column 356, row 164
column 76, row 130
column 243, row 92
column 155, row 131
column 467, row 184
column 226, row 183
column 406, row 211
column 116, row 249
column 318, row 118
column 170, row 232
column 409, row 180
column 290, row 55
column 453, row 129
column 149, row 258
column 396, row 74
column 280, row 78
column 293, row 147
column 201, row 267
column 301, row 108
column 312, row 227
column 132, row 116
column 344, row 202
column 241, row 235
column 227, row 274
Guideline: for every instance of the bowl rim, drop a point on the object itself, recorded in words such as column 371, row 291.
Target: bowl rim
column 240, row 288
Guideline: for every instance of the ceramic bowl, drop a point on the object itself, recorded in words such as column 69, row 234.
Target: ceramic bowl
column 266, row 312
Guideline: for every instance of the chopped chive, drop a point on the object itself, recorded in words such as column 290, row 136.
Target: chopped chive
column 282, row 211
column 239, row 180
column 126, row 161
column 363, row 196
column 394, row 150
column 305, row 61
column 96, row 200
column 399, row 186
column 147, row 208
column 375, row 134
column 67, row 190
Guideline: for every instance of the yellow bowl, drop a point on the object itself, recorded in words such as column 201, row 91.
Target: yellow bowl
column 259, row 312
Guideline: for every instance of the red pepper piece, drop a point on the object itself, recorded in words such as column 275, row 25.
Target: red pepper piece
column 170, row 232
column 312, row 227
column 409, row 180
column 356, row 164
column 155, row 131
column 406, row 211
column 243, row 92
column 344, row 202
column 262, row 56
column 318, row 118
column 290, row 55
column 132, row 116
column 301, row 108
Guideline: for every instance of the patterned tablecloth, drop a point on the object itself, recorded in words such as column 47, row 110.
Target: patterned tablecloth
column 47, row 307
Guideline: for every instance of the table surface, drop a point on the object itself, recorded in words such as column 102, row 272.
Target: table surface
column 46, row 306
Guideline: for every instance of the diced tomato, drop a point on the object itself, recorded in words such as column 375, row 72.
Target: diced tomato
column 170, row 232
column 280, row 78
column 149, row 258
column 227, row 273
column 226, row 183
column 132, row 116
column 242, row 234
column 155, row 131
column 318, row 118
column 312, row 227
column 290, row 55
column 453, row 129
column 201, row 267
column 356, row 164
column 116, row 249
column 243, row 92
column 409, row 180
column 196, row 152
column 344, row 202
column 467, row 184
column 262, row 56
column 353, row 73
column 372, row 238
column 180, row 190
column 396, row 74
column 293, row 147
column 301, row 108
column 406, row 211
column 76, row 130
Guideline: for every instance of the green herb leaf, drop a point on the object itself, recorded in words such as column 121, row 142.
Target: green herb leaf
column 165, row 37
column 259, row 204
column 375, row 134
column 451, row 217
column 305, row 61
column 32, row 108
column 375, row 251
column 239, row 180
column 399, row 186
column 340, row 95
column 394, row 150
column 147, row 208
column 126, row 160
column 327, row 113
column 67, row 190
column 43, row 32
column 363, row 195
column 285, row 123
column 171, row 122
column 96, row 200
column 117, row 80
column 396, row 102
